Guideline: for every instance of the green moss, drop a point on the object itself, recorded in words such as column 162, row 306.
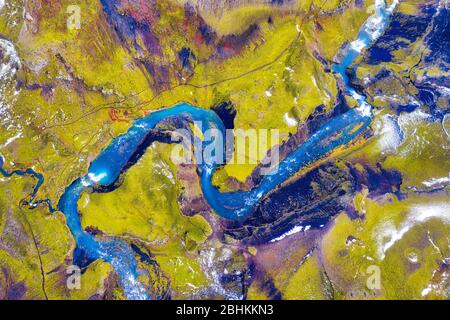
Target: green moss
column 92, row 281
column 307, row 283
column 422, row 154
column 336, row 30
column 145, row 207
column 36, row 248
column 92, row 74
column 11, row 19
column 348, row 260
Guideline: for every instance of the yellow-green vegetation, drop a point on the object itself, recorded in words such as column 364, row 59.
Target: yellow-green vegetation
column 234, row 19
column 93, row 281
column 405, row 239
column 80, row 88
column 422, row 154
column 11, row 19
column 336, row 31
column 308, row 283
column 145, row 208
column 284, row 76
column 53, row 138
column 254, row 293
column 420, row 159
column 69, row 129
column 409, row 7
column 36, row 248
column 87, row 71
column 92, row 52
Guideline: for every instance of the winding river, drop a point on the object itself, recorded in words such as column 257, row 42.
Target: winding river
column 112, row 161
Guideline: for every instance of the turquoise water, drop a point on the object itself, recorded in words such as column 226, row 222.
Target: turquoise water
column 109, row 164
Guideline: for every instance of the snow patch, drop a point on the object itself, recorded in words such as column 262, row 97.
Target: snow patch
column 433, row 182
column 294, row 230
column 444, row 120
column 389, row 134
column 358, row 45
column 364, row 109
column 291, row 122
column 10, row 140
column 11, row 62
column 418, row 214
column 9, row 65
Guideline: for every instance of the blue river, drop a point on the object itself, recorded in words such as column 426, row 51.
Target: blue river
column 112, row 161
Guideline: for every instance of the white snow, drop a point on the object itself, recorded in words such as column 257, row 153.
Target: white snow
column 426, row 291
column 432, row 182
column 364, row 109
column 444, row 120
column 9, row 65
column 10, row 140
column 418, row 214
column 291, row 122
column 294, row 230
column 92, row 179
column 388, row 133
column 358, row 45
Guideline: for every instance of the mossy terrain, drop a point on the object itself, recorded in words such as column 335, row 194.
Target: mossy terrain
column 77, row 89
column 407, row 266
column 145, row 207
column 36, row 249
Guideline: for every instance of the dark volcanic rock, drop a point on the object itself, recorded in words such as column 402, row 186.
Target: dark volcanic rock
column 403, row 30
column 428, row 29
column 313, row 199
column 226, row 112
column 378, row 180
column 438, row 40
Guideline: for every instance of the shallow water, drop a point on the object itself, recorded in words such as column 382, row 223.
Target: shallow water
column 112, row 161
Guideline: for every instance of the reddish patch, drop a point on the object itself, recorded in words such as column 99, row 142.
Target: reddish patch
column 198, row 39
column 141, row 11
column 115, row 116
